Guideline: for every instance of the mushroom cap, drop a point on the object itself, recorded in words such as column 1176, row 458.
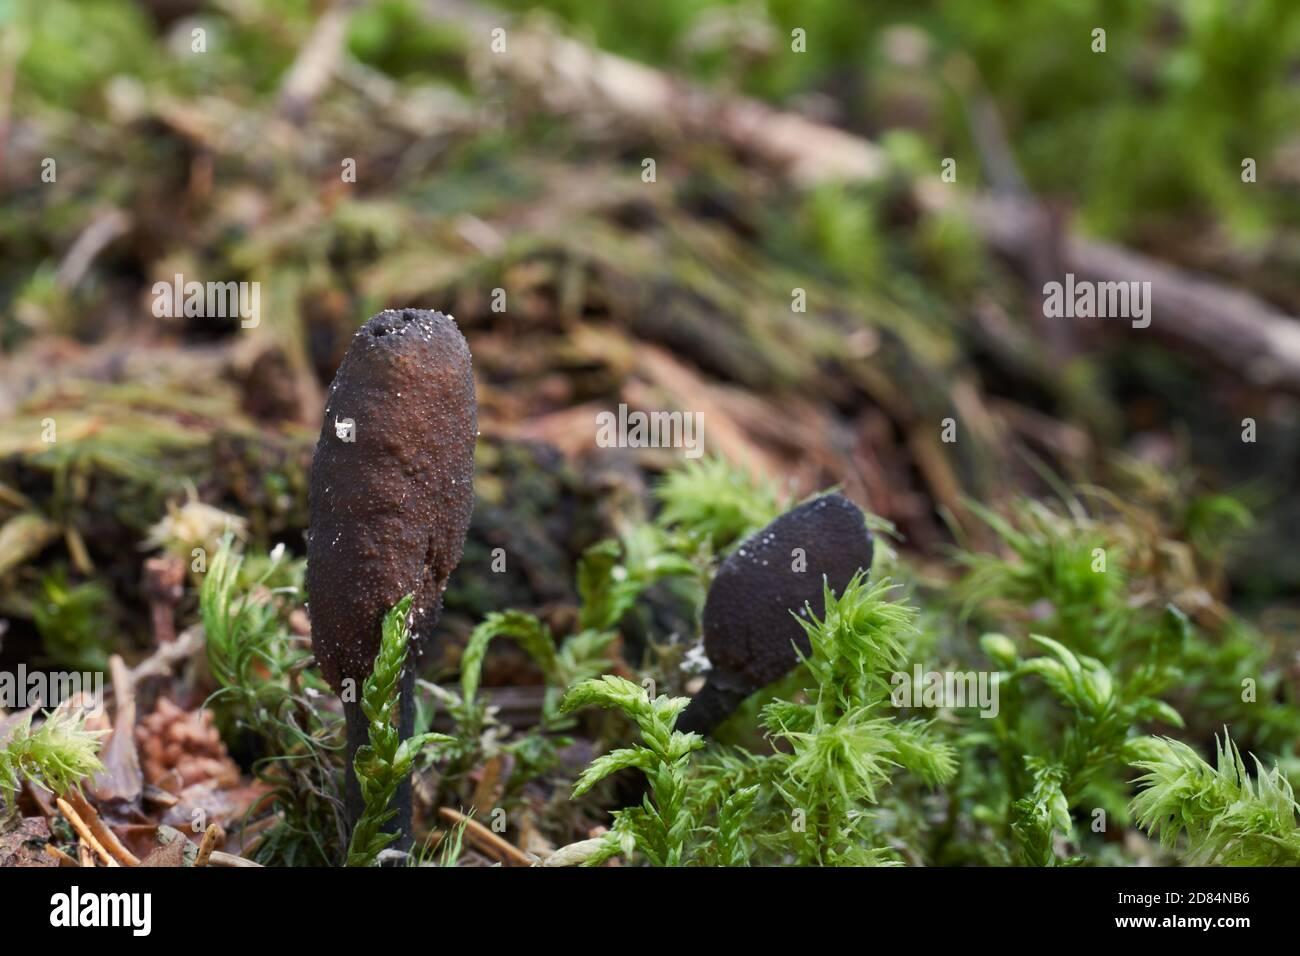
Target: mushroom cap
column 750, row 632
column 390, row 508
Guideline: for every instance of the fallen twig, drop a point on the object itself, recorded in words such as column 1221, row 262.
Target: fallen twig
column 84, row 832
column 571, row 77
column 103, row 839
column 485, row 841
column 208, row 845
column 1218, row 322
column 63, row 858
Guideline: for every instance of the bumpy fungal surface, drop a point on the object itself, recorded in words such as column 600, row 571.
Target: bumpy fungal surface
column 750, row 635
column 391, row 492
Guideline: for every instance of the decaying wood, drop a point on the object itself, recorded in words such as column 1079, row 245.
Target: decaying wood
column 1223, row 324
column 1194, row 311
column 571, row 77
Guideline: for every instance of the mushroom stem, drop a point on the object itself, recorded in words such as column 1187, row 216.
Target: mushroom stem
column 710, row 707
column 358, row 728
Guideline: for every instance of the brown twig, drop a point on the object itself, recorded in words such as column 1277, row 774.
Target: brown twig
column 485, row 841
column 84, row 832
column 571, row 77
column 1219, row 323
column 211, row 837
column 63, row 858
column 102, row 838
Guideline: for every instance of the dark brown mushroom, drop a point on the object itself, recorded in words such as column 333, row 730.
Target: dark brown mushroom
column 392, row 489
column 750, row 633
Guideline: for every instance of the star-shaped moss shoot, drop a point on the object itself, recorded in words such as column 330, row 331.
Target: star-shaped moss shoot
column 750, row 631
column 392, row 490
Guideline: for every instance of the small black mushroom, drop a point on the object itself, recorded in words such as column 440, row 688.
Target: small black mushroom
column 750, row 634
column 392, row 489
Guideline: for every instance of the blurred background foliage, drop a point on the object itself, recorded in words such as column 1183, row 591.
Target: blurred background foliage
column 1151, row 131
column 1155, row 127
